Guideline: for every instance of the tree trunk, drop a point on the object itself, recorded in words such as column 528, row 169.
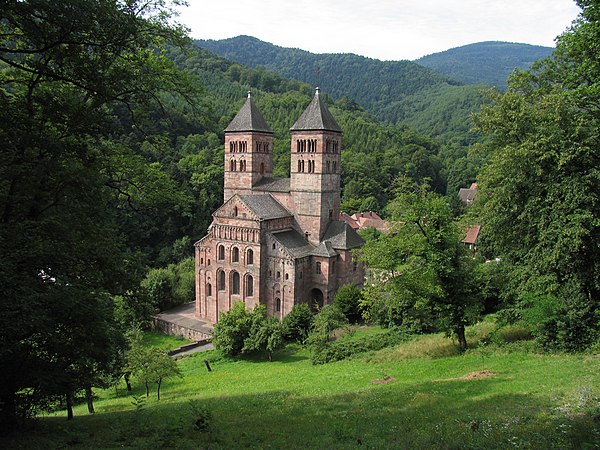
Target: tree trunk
column 127, row 376
column 89, row 396
column 462, row 340
column 69, row 399
column 158, row 388
column 147, row 389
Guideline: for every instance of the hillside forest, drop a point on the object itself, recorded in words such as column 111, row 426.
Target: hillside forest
column 111, row 130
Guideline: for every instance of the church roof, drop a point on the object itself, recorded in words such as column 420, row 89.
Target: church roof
column 294, row 242
column 342, row 236
column 265, row 207
column 324, row 249
column 273, row 185
column 316, row 116
column 249, row 118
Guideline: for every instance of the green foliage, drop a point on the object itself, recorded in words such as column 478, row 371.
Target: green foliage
column 326, row 321
column 298, row 323
column 170, row 286
column 541, row 218
column 149, row 364
column 348, row 300
column 265, row 335
column 392, row 91
column 422, row 273
column 566, row 324
column 348, row 346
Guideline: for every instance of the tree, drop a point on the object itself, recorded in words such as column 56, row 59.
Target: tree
column 149, row 364
column 298, row 323
column 326, row 321
column 424, row 276
column 265, row 335
column 73, row 75
column 541, row 217
column 234, row 327
column 348, row 299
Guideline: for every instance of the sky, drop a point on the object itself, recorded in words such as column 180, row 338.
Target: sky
column 381, row 29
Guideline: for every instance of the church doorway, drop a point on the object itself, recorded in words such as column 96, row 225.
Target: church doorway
column 316, row 299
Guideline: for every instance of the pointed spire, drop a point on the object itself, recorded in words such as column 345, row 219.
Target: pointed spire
column 249, row 118
column 316, row 116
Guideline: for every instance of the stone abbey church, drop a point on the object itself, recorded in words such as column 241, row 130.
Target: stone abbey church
column 277, row 241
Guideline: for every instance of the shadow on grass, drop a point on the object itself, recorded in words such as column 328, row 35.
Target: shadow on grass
column 452, row 414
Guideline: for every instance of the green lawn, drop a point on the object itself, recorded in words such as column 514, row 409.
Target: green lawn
column 529, row 401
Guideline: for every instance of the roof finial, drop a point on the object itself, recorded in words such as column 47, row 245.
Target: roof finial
column 249, row 94
column 317, row 90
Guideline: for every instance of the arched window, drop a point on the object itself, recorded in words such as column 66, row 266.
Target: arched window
column 278, row 274
column 250, row 257
column 221, row 280
column 235, row 283
column 208, row 289
column 277, row 304
column 262, row 168
column 318, row 269
column 249, row 286
column 233, row 165
column 221, row 253
column 235, row 254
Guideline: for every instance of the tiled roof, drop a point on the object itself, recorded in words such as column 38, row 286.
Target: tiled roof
column 249, row 118
column 342, row 236
column 324, row 249
column 316, row 117
column 273, row 185
column 294, row 242
column 472, row 233
column 265, row 207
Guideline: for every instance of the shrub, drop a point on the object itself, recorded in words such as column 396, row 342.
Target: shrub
column 233, row 328
column 569, row 323
column 170, row 286
column 298, row 323
column 344, row 348
column 348, row 300
column 326, row 321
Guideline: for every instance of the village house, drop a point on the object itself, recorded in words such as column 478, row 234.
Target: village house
column 277, row 241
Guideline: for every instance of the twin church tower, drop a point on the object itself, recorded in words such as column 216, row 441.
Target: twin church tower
column 277, row 241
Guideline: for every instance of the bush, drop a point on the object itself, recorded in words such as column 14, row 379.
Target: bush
column 326, row 322
column 298, row 324
column 172, row 285
column 348, row 299
column 344, row 348
column 569, row 323
column 233, row 328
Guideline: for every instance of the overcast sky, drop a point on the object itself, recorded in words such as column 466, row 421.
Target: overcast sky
column 382, row 29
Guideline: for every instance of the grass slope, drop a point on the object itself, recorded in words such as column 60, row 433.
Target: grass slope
column 530, row 401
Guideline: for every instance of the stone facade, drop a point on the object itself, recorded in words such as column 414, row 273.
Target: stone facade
column 277, row 241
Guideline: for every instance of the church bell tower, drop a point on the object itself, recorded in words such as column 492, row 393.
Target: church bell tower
column 248, row 151
column 315, row 169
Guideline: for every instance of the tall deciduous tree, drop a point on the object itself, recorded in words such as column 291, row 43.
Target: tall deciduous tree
column 540, row 192
column 423, row 274
column 65, row 67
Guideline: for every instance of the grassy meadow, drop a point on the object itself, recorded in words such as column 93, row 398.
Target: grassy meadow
column 420, row 394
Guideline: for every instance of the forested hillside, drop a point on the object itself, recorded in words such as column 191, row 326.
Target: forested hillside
column 373, row 153
column 393, row 91
column 485, row 62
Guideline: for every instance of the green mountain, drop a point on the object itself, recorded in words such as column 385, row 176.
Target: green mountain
column 373, row 154
column 485, row 62
column 393, row 91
